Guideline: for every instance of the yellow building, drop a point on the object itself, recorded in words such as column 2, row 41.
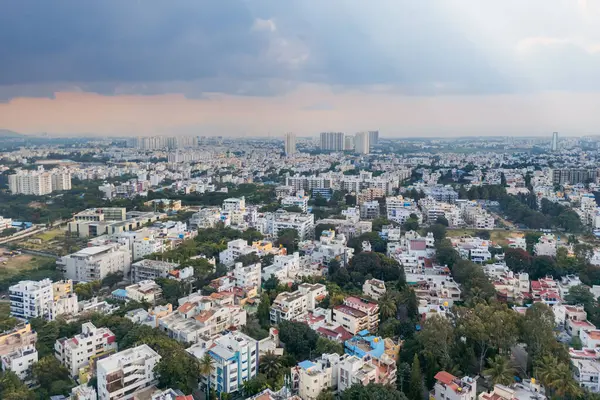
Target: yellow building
column 62, row 288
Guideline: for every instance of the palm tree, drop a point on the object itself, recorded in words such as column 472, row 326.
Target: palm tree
column 545, row 369
column 207, row 365
column 500, row 370
column 387, row 307
column 270, row 365
column 563, row 383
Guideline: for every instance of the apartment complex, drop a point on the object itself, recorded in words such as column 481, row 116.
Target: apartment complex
column 361, row 143
column 289, row 306
column 357, row 314
column 235, row 358
column 151, row 269
column 31, row 299
column 39, row 182
column 333, row 141
column 94, row 263
column 20, row 361
column 290, row 144
column 123, row 374
column 92, row 342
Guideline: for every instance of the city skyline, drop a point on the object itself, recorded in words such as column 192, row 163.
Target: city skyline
column 252, row 68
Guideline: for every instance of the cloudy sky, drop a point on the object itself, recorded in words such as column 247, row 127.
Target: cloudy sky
column 258, row 67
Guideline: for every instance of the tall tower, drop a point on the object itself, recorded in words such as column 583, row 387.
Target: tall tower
column 332, row 141
column 554, row 146
column 290, row 144
column 361, row 142
column 373, row 138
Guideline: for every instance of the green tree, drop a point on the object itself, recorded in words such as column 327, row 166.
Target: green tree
column 387, row 307
column 205, row 368
column 263, row 311
column 500, row 371
column 48, row 372
column 378, row 223
column 537, row 330
column 373, row 391
column 255, row 385
column 436, row 338
column 12, row 388
column 416, row 380
column 326, row 346
column 439, row 232
column 270, row 365
column 411, row 224
column 441, row 220
column 288, row 238
column 580, row 294
column 299, row 339
column 112, row 279
column 326, row 395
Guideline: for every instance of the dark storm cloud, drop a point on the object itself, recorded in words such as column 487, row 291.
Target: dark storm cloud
column 267, row 47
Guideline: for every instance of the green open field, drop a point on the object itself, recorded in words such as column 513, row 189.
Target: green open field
column 12, row 265
column 53, row 241
column 498, row 236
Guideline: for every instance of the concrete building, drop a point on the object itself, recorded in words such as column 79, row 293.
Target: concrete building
column 291, row 305
column 290, row 144
column 151, row 269
column 374, row 288
column 449, row 387
column 333, row 141
column 94, row 263
column 39, row 182
column 361, row 143
column 123, row 374
column 299, row 200
column 235, row 248
column 554, row 143
column 18, row 337
column 76, row 352
column 304, row 224
column 144, row 291
column 373, row 138
column 20, row 361
column 236, row 358
column 31, row 299
column 369, row 209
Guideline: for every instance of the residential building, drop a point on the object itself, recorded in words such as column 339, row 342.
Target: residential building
column 144, row 291
column 236, row 358
column 290, row 144
column 123, row 374
column 234, row 204
column 299, row 200
column 546, row 246
column 20, row 361
column 31, row 299
column 369, row 307
column 247, row 276
column 361, row 143
column 310, row 378
column 76, row 352
column 449, row 387
column 373, row 138
column 94, row 263
column 151, row 269
column 333, row 141
column 18, row 337
column 292, row 305
column 39, row 182
column 355, row 370
column 374, row 288
column 526, row 390
column 587, row 374
column 301, row 223
column 369, row 209
column 235, row 249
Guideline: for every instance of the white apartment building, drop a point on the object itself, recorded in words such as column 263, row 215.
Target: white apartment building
column 290, row 144
column 302, row 223
column 94, row 263
column 123, row 374
column 449, row 387
column 285, row 268
column 546, row 246
column 374, row 288
column 235, row 249
column 291, row 305
column 248, row 276
column 517, row 243
column 361, row 143
column 31, row 299
column 144, row 291
column 299, row 200
column 236, row 358
column 354, row 370
column 75, row 353
column 148, row 245
column 309, row 378
column 151, row 269
column 234, row 204
column 20, row 361
column 84, row 392
column 39, row 182
column 587, row 374
column 369, row 209
column 477, row 217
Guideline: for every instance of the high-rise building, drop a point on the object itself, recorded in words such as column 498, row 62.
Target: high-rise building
column 349, row 143
column 290, row 144
column 554, row 146
column 373, row 138
column 361, row 142
column 332, row 141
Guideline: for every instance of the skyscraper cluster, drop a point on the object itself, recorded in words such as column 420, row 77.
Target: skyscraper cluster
column 360, row 142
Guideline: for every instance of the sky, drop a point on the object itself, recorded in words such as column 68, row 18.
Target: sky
column 265, row 67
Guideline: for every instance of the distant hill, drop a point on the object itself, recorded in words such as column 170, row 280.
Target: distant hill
column 5, row 133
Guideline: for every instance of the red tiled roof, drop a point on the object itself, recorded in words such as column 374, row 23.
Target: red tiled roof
column 445, row 377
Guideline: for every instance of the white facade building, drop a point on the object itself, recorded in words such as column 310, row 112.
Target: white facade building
column 20, row 361
column 123, row 374
column 75, row 353
column 31, row 299
column 94, row 263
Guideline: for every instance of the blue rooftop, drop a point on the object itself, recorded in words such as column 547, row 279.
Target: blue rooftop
column 119, row 293
column 306, row 364
column 363, row 344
